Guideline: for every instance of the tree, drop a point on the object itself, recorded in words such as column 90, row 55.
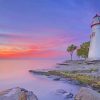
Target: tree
column 71, row 49
column 79, row 52
column 83, row 50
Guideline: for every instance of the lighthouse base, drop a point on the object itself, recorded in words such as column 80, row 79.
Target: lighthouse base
column 93, row 60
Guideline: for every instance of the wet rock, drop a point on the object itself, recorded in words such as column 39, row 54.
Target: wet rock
column 87, row 94
column 56, row 78
column 75, row 82
column 60, row 91
column 68, row 95
column 17, row 94
column 64, row 93
column 22, row 89
column 63, row 79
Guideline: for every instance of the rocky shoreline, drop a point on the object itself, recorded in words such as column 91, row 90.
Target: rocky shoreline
column 85, row 92
column 85, row 74
column 76, row 78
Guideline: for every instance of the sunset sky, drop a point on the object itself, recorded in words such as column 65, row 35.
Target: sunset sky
column 44, row 28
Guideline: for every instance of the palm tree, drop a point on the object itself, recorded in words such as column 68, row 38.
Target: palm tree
column 71, row 49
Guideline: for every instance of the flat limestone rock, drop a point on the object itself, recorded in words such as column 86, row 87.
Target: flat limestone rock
column 87, row 94
column 17, row 94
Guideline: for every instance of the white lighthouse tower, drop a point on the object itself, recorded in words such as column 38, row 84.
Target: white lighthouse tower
column 94, row 50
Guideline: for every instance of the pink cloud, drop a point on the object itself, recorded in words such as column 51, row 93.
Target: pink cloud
column 39, row 46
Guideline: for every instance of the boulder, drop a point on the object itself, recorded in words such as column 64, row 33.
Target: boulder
column 68, row 95
column 17, row 94
column 87, row 94
column 64, row 93
column 22, row 96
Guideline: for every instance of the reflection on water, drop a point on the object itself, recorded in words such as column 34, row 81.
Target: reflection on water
column 17, row 68
column 15, row 73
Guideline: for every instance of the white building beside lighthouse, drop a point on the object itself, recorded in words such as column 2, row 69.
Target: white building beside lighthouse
column 94, row 50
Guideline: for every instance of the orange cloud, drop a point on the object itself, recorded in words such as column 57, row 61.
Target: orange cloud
column 20, row 52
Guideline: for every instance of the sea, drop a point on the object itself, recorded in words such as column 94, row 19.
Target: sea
column 15, row 73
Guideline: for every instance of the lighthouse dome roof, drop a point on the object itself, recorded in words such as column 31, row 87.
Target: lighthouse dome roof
column 96, row 20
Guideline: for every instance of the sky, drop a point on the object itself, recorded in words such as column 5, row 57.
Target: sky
column 44, row 28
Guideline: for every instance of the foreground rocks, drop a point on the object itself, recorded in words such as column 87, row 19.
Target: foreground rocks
column 87, row 94
column 67, row 95
column 17, row 94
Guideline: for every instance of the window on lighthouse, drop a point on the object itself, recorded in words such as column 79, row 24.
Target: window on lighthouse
column 92, row 35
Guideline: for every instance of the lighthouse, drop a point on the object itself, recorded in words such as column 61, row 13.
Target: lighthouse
column 94, row 50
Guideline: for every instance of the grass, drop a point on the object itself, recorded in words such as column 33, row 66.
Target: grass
column 85, row 71
column 83, row 79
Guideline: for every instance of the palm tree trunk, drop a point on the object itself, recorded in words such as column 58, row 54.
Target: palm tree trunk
column 71, row 57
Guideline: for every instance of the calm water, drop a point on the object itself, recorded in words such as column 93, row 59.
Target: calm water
column 15, row 73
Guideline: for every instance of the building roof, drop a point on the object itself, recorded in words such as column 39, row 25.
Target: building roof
column 96, row 20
